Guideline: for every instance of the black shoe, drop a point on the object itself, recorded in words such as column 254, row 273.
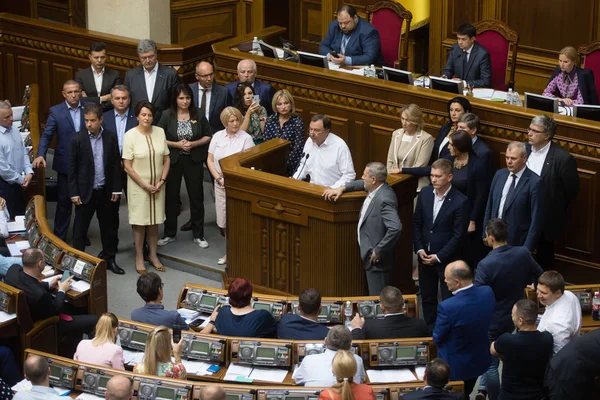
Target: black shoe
column 187, row 226
column 111, row 265
column 87, row 241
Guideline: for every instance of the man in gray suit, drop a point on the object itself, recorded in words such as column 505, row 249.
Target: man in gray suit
column 151, row 81
column 210, row 97
column 379, row 226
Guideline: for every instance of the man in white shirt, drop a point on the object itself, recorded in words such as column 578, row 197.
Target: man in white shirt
column 37, row 372
column 5, row 262
column 562, row 317
column 327, row 159
column 96, row 81
column 315, row 369
column 558, row 171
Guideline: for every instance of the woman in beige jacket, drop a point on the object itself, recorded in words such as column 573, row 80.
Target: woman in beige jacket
column 410, row 146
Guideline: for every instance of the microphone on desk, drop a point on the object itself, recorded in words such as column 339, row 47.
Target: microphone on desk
column 305, row 157
column 436, row 65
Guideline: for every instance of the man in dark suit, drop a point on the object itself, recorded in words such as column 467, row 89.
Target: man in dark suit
column 558, row 171
column 96, row 82
column 439, row 226
column 354, row 40
column 304, row 325
column 469, row 123
column 122, row 117
column 210, row 97
column 436, row 376
column 95, row 184
column 43, row 305
column 461, row 329
column 507, row 270
column 394, row 324
column 65, row 120
column 247, row 73
column 379, row 226
column 469, row 61
column 516, row 197
column 151, row 81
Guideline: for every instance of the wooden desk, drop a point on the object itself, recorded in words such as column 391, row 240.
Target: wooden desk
column 283, row 234
column 365, row 112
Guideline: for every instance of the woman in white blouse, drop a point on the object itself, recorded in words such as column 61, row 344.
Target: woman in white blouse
column 410, row 146
column 224, row 143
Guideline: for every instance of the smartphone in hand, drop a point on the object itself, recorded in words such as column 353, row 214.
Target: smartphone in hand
column 256, row 99
column 334, row 54
column 66, row 275
column 176, row 333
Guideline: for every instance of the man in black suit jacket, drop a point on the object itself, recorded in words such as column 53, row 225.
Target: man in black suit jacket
column 469, row 61
column 437, row 374
column 469, row 123
column 558, row 171
column 151, row 81
column 215, row 96
column 394, row 324
column 439, row 227
column 43, row 305
column 304, row 324
column 97, row 81
column 95, row 183
column 247, row 73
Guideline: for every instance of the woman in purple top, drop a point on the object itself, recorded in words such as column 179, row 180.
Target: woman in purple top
column 569, row 83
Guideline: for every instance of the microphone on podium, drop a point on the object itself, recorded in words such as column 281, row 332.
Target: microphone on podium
column 305, row 158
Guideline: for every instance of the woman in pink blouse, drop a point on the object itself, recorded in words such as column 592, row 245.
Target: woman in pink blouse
column 102, row 350
column 571, row 84
column 224, row 143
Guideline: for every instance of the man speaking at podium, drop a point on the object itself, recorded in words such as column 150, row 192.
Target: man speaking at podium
column 326, row 157
column 379, row 226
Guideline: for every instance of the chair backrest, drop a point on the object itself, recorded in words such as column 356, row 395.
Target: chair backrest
column 498, row 38
column 388, row 17
column 590, row 55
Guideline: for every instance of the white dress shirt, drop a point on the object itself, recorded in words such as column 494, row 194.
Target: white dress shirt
column 562, row 319
column 438, row 201
column 329, row 164
column 150, row 78
column 208, row 96
column 536, row 159
column 98, row 78
column 461, row 289
column 315, row 370
column 507, row 184
column 364, row 209
column 4, row 217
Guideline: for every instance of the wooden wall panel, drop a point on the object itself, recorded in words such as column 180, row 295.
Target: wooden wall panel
column 308, row 22
column 191, row 20
column 27, row 71
column 580, row 234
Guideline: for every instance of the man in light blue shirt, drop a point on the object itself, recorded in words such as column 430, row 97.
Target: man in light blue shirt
column 37, row 372
column 15, row 167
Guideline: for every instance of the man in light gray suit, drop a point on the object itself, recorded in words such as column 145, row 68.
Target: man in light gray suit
column 151, row 81
column 210, row 97
column 379, row 226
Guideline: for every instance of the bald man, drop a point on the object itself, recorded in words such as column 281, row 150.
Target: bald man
column 247, row 73
column 209, row 96
column 118, row 388
column 37, row 372
column 212, row 392
column 461, row 329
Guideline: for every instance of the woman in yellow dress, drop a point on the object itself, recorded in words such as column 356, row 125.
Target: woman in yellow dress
column 146, row 161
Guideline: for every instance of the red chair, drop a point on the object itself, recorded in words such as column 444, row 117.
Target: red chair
column 498, row 38
column 388, row 17
column 590, row 58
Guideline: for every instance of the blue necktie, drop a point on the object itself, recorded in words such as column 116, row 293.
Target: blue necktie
column 344, row 43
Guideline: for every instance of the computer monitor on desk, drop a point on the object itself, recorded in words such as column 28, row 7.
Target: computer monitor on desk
column 268, row 50
column 543, row 103
column 316, row 60
column 446, row 85
column 586, row 111
column 397, row 75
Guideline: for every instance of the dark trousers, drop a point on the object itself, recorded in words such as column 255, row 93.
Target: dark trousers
column 14, row 196
column 193, row 173
column 105, row 212
column 71, row 332
column 429, row 278
column 64, row 207
column 545, row 253
column 469, row 386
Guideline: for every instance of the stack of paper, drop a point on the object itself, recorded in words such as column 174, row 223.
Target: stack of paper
column 16, row 247
column 80, row 286
column 186, row 313
column 132, row 357
column 268, row 374
column 391, row 375
column 48, row 271
column 25, row 386
column 4, row 316
column 88, row 396
column 420, row 371
column 18, row 225
column 197, row 367
column 238, row 373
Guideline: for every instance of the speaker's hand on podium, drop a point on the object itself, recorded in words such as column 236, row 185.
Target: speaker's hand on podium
column 333, row 194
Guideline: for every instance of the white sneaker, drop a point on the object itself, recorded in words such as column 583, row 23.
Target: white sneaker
column 166, row 240
column 201, row 242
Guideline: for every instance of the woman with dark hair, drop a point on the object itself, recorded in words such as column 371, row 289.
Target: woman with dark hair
column 254, row 114
column 188, row 135
column 239, row 318
column 456, row 107
column 146, row 161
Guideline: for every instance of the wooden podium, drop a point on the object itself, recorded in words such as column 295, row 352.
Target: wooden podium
column 282, row 233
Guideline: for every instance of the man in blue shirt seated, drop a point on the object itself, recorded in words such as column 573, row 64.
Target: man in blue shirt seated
column 304, row 325
column 150, row 289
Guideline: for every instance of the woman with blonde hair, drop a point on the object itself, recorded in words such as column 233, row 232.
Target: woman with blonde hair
column 344, row 368
column 571, row 84
column 157, row 357
column 102, row 350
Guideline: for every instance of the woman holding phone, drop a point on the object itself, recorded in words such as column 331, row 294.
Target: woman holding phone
column 255, row 115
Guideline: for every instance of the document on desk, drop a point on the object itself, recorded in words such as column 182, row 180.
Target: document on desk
column 196, row 367
column 391, row 375
column 18, row 225
column 420, row 372
column 80, row 286
column 16, row 247
column 238, row 373
column 268, row 374
column 88, row 396
column 4, row 316
column 132, row 357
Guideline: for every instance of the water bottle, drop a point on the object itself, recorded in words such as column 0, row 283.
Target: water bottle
column 256, row 47
column 596, row 306
column 510, row 97
column 348, row 314
column 373, row 71
column 517, row 101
